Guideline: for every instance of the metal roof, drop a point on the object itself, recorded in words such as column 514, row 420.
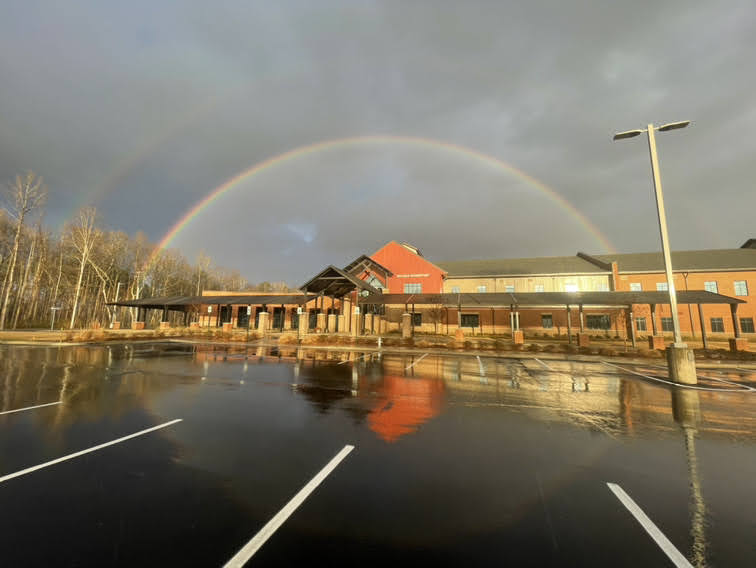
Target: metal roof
column 363, row 263
column 332, row 281
column 534, row 299
column 520, row 266
column 183, row 301
column 690, row 260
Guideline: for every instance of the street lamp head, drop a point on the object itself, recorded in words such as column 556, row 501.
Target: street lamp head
column 673, row 125
column 628, row 134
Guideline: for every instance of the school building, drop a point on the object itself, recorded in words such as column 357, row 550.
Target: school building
column 616, row 294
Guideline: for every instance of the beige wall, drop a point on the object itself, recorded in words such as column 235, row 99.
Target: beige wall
column 585, row 283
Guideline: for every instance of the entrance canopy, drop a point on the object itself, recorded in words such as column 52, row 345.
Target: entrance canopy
column 335, row 282
column 181, row 302
column 538, row 299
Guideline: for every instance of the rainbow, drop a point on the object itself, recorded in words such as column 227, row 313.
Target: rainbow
column 326, row 145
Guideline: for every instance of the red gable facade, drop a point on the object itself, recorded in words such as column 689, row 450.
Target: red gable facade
column 412, row 273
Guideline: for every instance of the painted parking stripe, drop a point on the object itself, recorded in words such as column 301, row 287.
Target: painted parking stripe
column 416, row 362
column 744, row 388
column 664, row 543
column 30, row 407
column 249, row 549
column 545, row 365
column 87, row 451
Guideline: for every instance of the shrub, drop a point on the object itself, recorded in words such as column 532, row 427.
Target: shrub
column 287, row 339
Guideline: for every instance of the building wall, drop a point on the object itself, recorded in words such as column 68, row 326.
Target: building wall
column 408, row 268
column 689, row 320
column 555, row 283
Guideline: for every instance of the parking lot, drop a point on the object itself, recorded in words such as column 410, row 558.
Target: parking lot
column 200, row 455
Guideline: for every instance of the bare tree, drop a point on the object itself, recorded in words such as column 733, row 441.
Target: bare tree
column 24, row 195
column 84, row 234
column 436, row 315
column 203, row 263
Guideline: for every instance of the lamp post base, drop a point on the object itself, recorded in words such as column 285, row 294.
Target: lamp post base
column 681, row 364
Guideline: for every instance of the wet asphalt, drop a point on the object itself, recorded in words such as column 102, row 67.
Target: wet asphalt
column 457, row 461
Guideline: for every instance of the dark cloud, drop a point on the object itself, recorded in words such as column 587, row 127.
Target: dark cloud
column 145, row 107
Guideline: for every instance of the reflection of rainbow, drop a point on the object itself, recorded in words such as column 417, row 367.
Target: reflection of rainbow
column 310, row 149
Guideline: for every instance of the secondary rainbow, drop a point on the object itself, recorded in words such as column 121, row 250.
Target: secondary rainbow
column 326, row 145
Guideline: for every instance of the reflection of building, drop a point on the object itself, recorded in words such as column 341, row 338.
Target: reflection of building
column 405, row 405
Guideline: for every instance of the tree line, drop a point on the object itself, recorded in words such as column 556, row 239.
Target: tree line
column 74, row 274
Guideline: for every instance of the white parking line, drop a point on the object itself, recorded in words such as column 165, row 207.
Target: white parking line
column 249, row 549
column 30, row 407
column 350, row 361
column 88, row 450
column 544, row 364
column 744, row 388
column 416, row 362
column 664, row 543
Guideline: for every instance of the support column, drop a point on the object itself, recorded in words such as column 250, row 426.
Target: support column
column 738, row 343
column 346, row 311
column 656, row 341
column 406, row 325
column 332, row 323
column 703, row 327
column 583, row 339
column 139, row 323
column 569, row 325
column 653, row 319
column 263, row 321
column 304, row 322
column 631, row 317
column 321, row 321
column 356, row 321
column 518, row 337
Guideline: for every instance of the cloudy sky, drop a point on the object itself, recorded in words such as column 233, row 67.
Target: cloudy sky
column 492, row 123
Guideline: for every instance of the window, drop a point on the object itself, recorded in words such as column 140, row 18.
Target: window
column 375, row 283
column 746, row 325
column 417, row 319
column 661, row 287
column 470, row 320
column 413, row 288
column 711, row 287
column 667, row 324
column 509, row 289
column 636, row 287
column 455, row 290
column 741, row 288
column 602, row 287
column 539, row 287
column 640, row 324
column 598, row 322
column 571, row 287
column 717, row 325
column 482, row 289
column 547, row 322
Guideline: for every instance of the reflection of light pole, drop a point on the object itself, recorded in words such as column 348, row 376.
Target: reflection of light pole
column 682, row 365
column 686, row 411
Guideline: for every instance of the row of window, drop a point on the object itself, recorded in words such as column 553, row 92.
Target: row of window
column 538, row 288
column 717, row 324
column 740, row 287
column 601, row 322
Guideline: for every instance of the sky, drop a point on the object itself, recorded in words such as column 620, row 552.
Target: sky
column 491, row 124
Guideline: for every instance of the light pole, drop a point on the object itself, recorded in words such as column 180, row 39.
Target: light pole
column 684, row 354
